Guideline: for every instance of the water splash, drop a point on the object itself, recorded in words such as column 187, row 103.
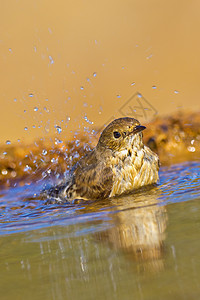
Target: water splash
column 51, row 60
column 57, row 141
column 27, row 168
column 46, row 109
column 54, row 160
column 44, row 152
column 58, row 129
column 87, row 120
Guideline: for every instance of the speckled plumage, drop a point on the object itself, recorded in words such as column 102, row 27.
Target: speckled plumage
column 118, row 164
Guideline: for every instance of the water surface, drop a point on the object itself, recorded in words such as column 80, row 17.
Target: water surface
column 140, row 246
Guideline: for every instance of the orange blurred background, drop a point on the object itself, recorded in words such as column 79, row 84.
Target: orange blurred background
column 76, row 63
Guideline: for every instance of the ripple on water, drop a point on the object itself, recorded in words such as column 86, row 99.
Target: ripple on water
column 21, row 209
column 180, row 182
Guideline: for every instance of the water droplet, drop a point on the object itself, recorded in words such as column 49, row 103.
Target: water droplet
column 77, row 142
column 35, row 108
column 35, row 49
column 191, row 149
column 18, row 140
column 88, row 79
column 24, row 111
column 133, row 83
column 44, row 152
column 76, row 155
column 31, row 95
column 4, row 153
column 94, row 74
column 81, row 87
column 51, row 60
column 93, row 131
column 50, row 31
column 13, row 173
column 150, row 56
column 34, row 126
column 44, row 175
column 154, row 87
column 87, row 120
column 8, row 142
column 27, row 168
column 176, row 92
column 58, row 128
column 15, row 100
column 25, row 128
column 100, row 110
column 54, row 160
column 10, row 49
column 46, row 109
column 68, row 119
column 139, row 95
column 4, row 172
column 118, row 96
column 58, row 141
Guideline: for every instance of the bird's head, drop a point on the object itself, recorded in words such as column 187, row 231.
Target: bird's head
column 122, row 133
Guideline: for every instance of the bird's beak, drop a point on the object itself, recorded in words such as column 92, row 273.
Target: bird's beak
column 138, row 128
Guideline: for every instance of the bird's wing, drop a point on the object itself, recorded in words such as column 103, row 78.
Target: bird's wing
column 91, row 179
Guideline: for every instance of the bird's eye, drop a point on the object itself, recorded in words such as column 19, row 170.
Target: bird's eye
column 124, row 133
column 116, row 134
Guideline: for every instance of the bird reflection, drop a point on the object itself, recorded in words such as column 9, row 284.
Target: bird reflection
column 138, row 228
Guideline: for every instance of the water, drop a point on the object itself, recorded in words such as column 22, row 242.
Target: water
column 141, row 246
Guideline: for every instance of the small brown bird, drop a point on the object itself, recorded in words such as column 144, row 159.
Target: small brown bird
column 120, row 163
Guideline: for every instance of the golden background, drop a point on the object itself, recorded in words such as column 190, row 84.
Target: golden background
column 85, row 59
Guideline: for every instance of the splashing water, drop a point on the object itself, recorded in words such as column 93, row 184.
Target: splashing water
column 87, row 120
column 58, row 129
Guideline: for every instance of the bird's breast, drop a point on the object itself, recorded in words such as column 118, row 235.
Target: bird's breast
column 133, row 169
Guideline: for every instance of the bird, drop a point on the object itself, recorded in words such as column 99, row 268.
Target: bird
column 119, row 164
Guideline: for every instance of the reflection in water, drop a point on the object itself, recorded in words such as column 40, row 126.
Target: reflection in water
column 138, row 228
